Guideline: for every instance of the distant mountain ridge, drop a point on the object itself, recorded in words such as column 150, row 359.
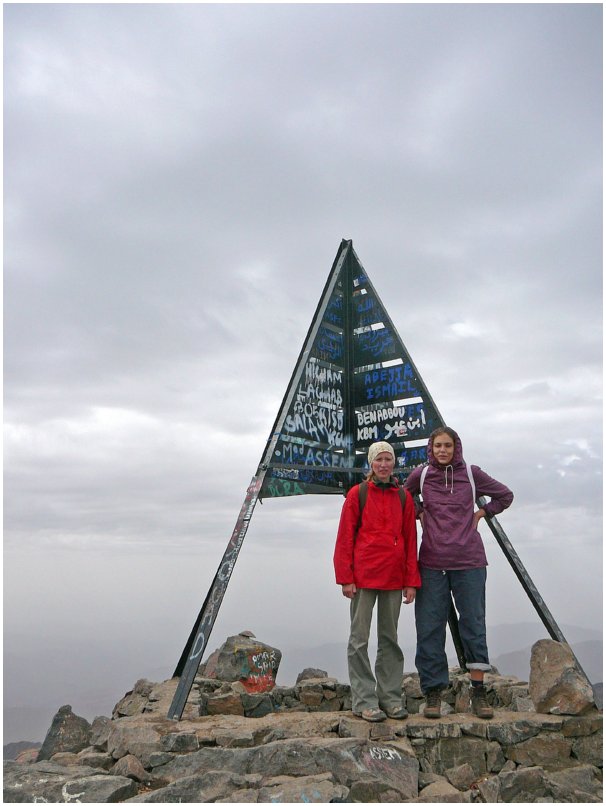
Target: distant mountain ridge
column 509, row 646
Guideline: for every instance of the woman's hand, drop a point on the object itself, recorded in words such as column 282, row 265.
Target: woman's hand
column 349, row 590
column 408, row 595
column 477, row 517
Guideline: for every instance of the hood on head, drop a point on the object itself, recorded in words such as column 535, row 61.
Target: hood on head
column 457, row 458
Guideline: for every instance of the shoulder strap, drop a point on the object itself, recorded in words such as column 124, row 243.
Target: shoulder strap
column 363, row 495
column 472, row 482
column 423, row 474
column 469, row 474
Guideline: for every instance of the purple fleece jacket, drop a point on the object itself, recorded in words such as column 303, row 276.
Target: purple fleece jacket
column 449, row 540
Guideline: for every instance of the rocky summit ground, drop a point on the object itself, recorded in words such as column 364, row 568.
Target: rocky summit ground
column 302, row 744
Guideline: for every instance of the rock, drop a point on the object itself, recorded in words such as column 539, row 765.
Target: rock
column 568, row 784
column 99, row 732
column 438, row 729
column 209, row 787
column 90, row 757
column 523, row 786
column 134, row 737
column 426, row 778
column 495, row 759
column 180, row 742
column 509, row 733
column 305, row 789
column 130, row 767
column 234, row 738
column 66, row 759
column 547, row 750
column 489, row 789
column 588, row 749
column 46, row 782
column 243, row 658
column 440, row 792
column 230, row 703
column 368, row 769
column 309, row 693
column 581, row 726
column 448, row 753
column 257, row 705
column 350, row 727
column 461, row 777
column 310, row 673
column 68, row 733
column 557, row 685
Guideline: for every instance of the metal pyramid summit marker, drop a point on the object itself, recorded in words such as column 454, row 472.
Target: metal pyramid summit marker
column 354, row 383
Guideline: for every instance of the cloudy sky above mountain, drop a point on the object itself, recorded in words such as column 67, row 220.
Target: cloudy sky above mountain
column 178, row 179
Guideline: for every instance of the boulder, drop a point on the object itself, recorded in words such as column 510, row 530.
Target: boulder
column 369, row 770
column 576, row 784
column 440, row 792
column 589, row 749
column 525, row 785
column 130, row 767
column 547, row 750
column 243, row 658
column 46, row 782
column 99, row 732
column 310, row 673
column 210, row 786
column 557, row 685
column 68, row 733
column 228, row 703
column 90, row 757
column 461, row 777
column 135, row 737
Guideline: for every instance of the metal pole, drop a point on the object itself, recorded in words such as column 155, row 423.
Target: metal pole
column 527, row 583
column 192, row 654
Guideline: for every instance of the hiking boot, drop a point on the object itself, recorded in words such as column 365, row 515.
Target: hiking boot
column 371, row 714
column 433, row 704
column 397, row 712
column 479, row 703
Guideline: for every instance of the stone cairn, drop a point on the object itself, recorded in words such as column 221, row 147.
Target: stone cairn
column 242, row 738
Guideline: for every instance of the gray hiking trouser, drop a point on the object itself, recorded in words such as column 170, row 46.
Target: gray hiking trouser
column 386, row 690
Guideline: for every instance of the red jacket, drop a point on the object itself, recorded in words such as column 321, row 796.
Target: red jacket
column 383, row 555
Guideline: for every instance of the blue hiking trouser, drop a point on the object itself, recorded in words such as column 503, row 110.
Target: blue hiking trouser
column 432, row 603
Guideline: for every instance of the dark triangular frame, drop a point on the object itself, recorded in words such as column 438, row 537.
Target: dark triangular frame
column 346, row 267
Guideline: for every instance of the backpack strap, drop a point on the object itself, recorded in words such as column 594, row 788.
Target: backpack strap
column 423, row 474
column 472, row 482
column 362, row 496
column 469, row 475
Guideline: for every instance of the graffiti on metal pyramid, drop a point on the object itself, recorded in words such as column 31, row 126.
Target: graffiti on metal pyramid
column 354, row 384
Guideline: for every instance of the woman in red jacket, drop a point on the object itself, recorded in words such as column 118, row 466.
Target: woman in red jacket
column 376, row 561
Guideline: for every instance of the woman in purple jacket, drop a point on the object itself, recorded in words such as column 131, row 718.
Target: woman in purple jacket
column 453, row 563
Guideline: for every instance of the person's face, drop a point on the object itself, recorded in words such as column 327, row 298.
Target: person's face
column 443, row 449
column 383, row 465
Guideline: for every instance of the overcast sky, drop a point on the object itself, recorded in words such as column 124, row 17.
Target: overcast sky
column 178, row 179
